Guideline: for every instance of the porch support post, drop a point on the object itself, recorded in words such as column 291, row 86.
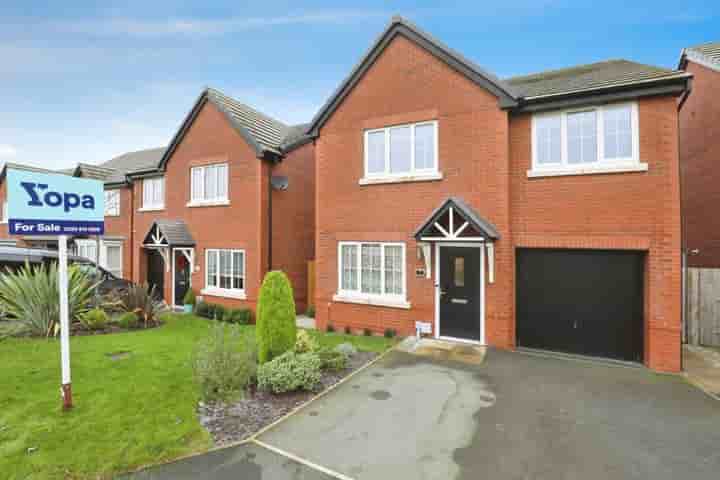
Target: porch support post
column 491, row 261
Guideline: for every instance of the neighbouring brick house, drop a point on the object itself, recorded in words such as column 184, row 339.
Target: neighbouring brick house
column 231, row 198
column 539, row 211
column 700, row 156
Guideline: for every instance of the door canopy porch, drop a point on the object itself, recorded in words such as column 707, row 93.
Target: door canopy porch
column 456, row 221
column 165, row 235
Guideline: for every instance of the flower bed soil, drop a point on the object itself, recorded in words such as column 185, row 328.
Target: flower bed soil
column 230, row 423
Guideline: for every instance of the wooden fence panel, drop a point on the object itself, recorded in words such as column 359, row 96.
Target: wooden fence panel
column 703, row 306
column 311, row 283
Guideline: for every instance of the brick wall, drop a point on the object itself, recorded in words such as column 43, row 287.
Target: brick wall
column 293, row 228
column 484, row 156
column 120, row 228
column 700, row 156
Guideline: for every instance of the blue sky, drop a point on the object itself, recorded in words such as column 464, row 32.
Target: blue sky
column 83, row 81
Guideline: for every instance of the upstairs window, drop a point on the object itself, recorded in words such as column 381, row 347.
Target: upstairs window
column 154, row 193
column 402, row 150
column 112, row 203
column 209, row 183
column 588, row 138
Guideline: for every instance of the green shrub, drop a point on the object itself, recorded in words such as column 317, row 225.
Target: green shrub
column 276, row 328
column 224, row 364
column 289, row 372
column 141, row 300
column 202, row 309
column 330, row 328
column 348, row 330
column 189, row 298
column 240, row 316
column 332, row 360
column 128, row 320
column 95, row 319
column 310, row 312
column 218, row 311
column 390, row 333
column 30, row 296
column 367, row 332
column 347, row 349
column 306, row 343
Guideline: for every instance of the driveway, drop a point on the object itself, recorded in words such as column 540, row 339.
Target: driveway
column 516, row 416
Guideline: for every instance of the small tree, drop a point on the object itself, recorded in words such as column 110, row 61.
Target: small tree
column 276, row 328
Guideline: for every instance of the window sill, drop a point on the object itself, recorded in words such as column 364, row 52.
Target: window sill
column 589, row 170
column 215, row 203
column 151, row 209
column 219, row 292
column 378, row 302
column 424, row 177
column 113, row 215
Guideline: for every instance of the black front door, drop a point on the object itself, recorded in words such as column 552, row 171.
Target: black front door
column 587, row 302
column 156, row 273
column 460, row 303
column 182, row 277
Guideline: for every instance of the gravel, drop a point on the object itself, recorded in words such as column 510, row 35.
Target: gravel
column 230, row 423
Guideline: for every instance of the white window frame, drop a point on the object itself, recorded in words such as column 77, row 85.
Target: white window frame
column 414, row 174
column 602, row 164
column 153, row 206
column 202, row 201
column 4, row 215
column 217, row 291
column 379, row 299
column 104, row 244
column 112, row 192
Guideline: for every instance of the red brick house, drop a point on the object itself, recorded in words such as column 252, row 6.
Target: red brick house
column 538, row 211
column 231, row 198
column 700, row 154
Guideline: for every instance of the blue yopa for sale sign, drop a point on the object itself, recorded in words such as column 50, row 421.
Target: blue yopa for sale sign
column 54, row 204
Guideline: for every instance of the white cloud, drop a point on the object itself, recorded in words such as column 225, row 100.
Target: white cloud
column 197, row 26
column 7, row 151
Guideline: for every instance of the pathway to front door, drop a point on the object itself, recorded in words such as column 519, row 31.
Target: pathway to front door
column 460, row 292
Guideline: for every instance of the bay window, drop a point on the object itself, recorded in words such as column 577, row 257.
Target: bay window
column 209, row 184
column 401, row 151
column 372, row 270
column 225, row 272
column 586, row 140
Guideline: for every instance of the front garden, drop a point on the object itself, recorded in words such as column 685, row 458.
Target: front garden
column 145, row 396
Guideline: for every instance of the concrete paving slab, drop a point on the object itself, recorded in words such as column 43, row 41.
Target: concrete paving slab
column 515, row 416
column 702, row 367
column 246, row 462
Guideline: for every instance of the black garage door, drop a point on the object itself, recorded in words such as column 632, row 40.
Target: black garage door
column 587, row 302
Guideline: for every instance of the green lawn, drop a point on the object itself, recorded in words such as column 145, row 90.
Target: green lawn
column 130, row 412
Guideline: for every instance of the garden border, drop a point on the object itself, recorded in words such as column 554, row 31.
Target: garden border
column 253, row 438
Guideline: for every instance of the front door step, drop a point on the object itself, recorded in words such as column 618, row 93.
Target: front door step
column 444, row 350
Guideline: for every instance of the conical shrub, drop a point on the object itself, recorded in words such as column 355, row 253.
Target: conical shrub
column 275, row 329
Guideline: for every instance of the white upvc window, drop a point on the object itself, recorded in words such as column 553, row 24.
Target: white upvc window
column 110, row 254
column 4, row 213
column 112, row 203
column 399, row 151
column 209, row 184
column 372, row 270
column 153, row 193
column 225, row 272
column 586, row 140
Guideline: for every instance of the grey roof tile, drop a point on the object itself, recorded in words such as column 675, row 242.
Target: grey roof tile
column 706, row 52
column 594, row 76
column 135, row 161
column 176, row 232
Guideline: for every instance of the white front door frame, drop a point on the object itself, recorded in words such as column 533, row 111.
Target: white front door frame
column 481, row 246
column 189, row 254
